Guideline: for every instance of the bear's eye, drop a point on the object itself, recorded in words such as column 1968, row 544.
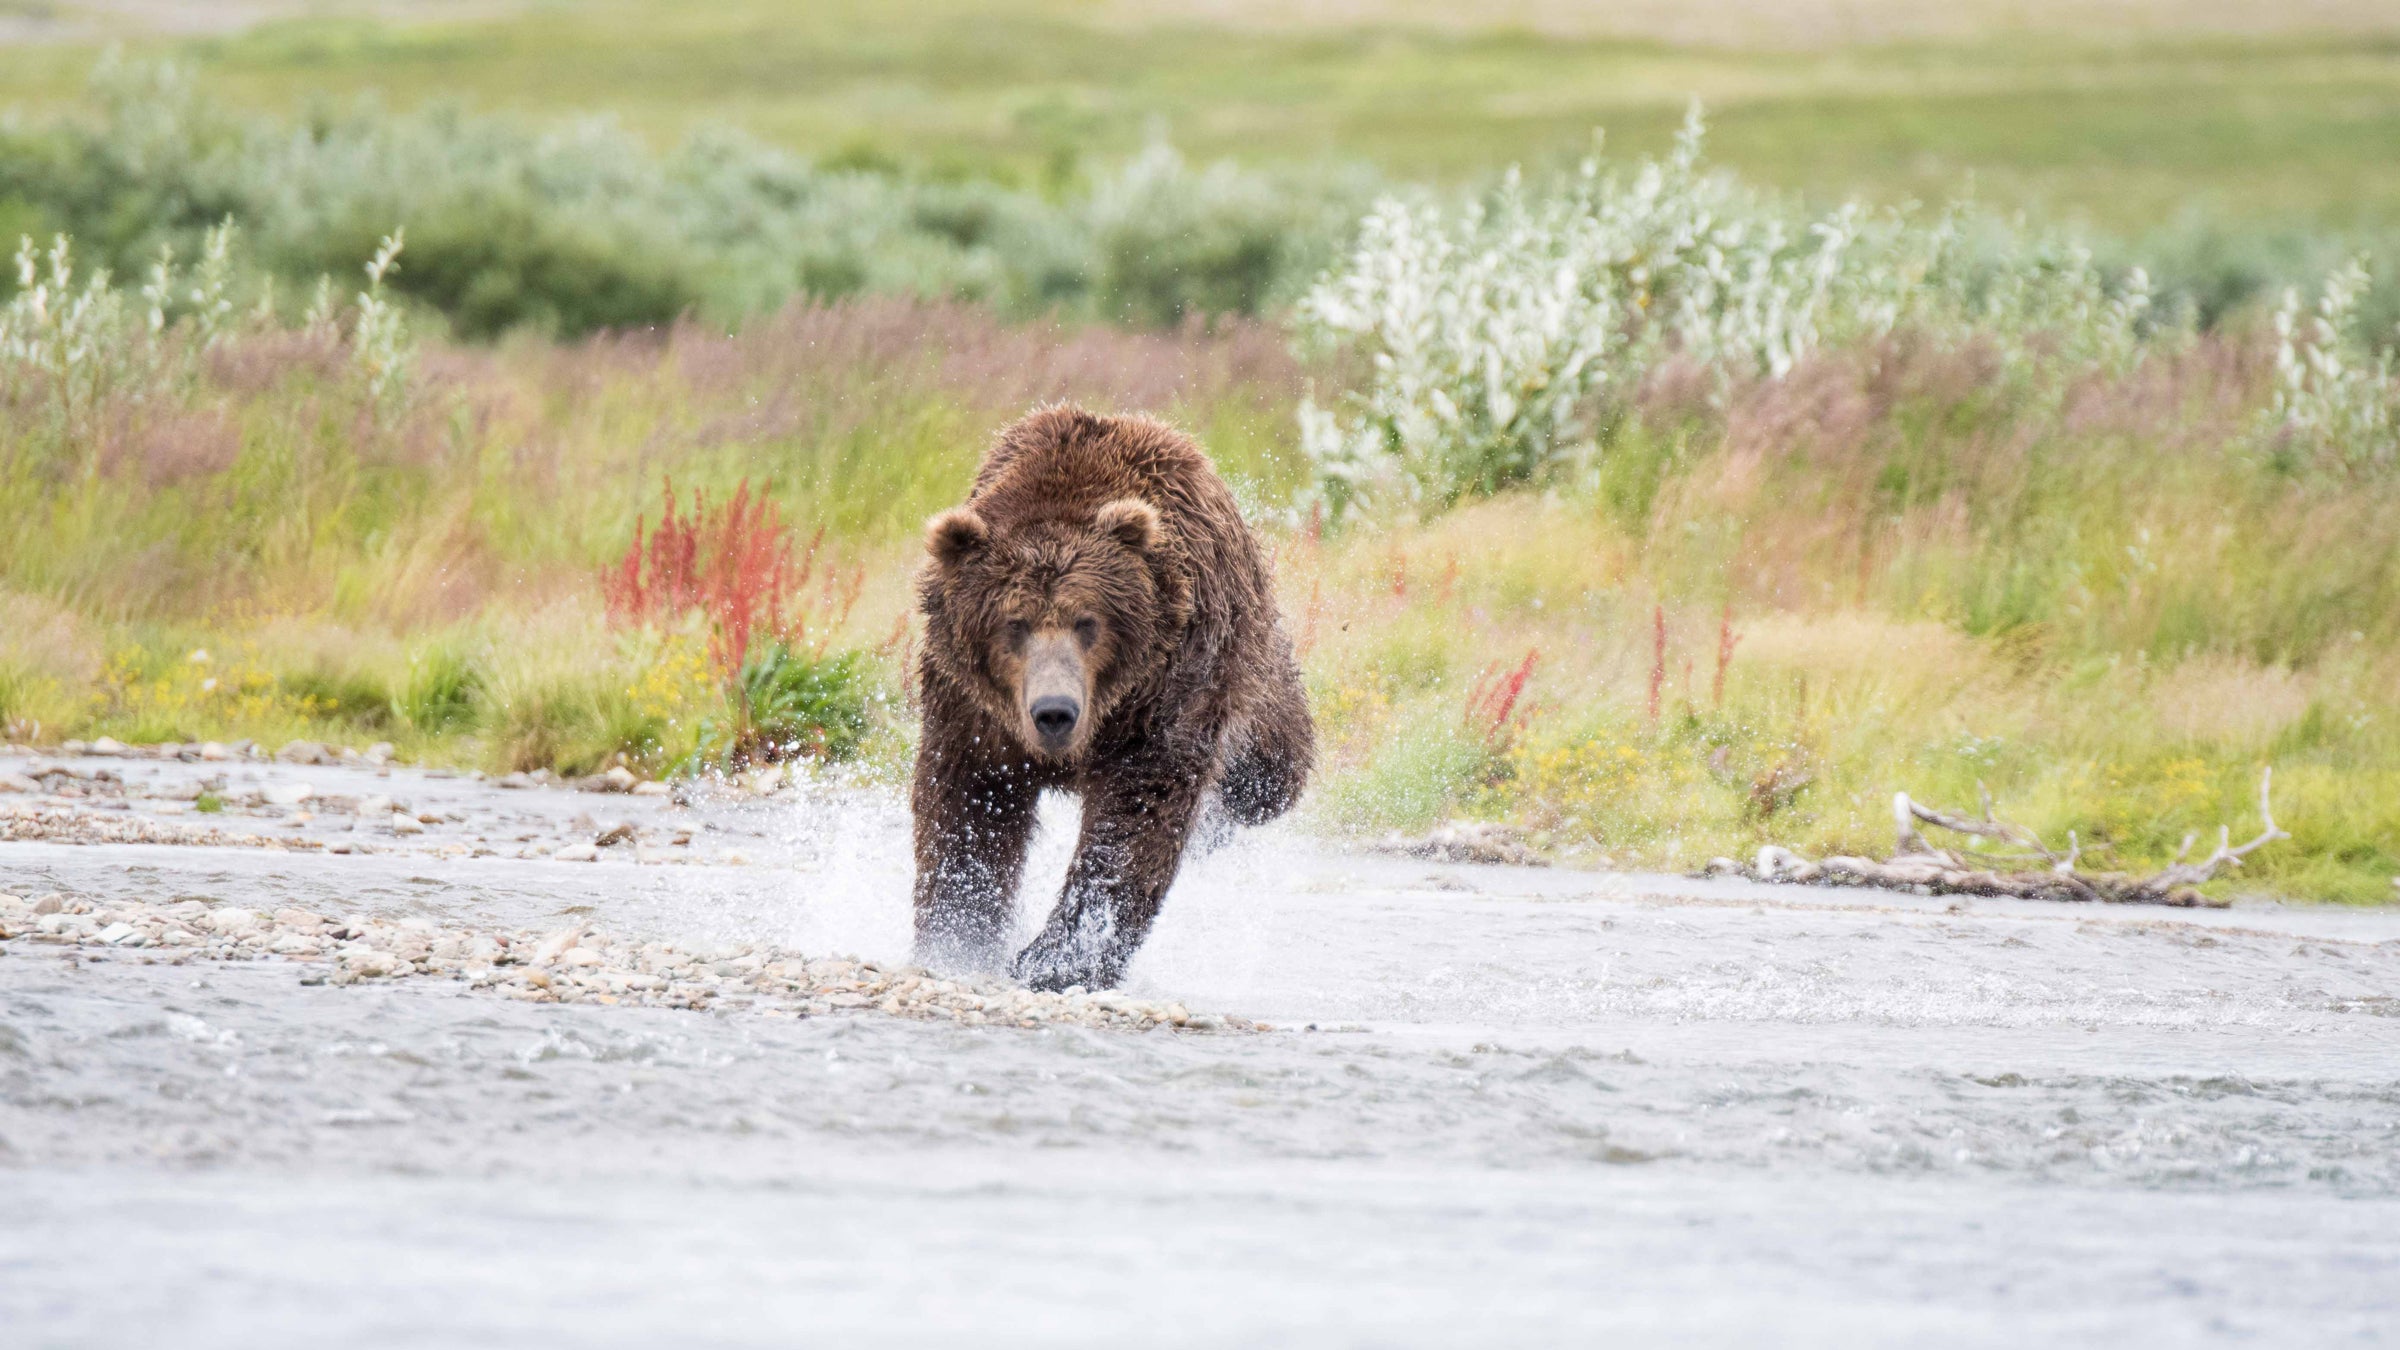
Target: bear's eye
column 1087, row 631
column 1018, row 631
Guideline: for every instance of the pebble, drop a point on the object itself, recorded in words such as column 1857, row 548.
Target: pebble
column 577, row 964
column 403, row 823
column 287, row 794
column 577, row 853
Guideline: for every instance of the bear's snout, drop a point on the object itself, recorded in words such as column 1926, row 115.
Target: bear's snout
column 1056, row 687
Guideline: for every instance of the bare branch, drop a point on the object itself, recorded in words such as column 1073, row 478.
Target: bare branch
column 2180, row 873
column 2066, row 865
column 1990, row 827
column 1917, row 866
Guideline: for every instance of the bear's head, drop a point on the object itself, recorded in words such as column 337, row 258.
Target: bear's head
column 1052, row 622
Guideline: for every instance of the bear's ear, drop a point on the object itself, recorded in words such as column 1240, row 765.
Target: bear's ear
column 1132, row 521
column 956, row 534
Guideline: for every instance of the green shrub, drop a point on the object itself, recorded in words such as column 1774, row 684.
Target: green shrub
column 793, row 704
column 585, row 228
column 554, row 726
column 444, row 687
column 341, row 696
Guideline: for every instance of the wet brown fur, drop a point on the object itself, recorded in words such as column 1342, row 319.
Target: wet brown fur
column 1192, row 689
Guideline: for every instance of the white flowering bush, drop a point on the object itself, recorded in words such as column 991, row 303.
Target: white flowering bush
column 2336, row 400
column 1504, row 337
column 74, row 343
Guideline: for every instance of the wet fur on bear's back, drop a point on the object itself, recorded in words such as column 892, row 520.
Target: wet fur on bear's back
column 1207, row 697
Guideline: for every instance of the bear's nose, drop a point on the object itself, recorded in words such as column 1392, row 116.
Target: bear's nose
column 1054, row 716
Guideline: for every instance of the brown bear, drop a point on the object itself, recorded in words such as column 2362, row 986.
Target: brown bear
column 1097, row 619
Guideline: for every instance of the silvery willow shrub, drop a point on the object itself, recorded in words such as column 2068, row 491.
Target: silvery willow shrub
column 75, row 346
column 1504, row 337
column 2335, row 402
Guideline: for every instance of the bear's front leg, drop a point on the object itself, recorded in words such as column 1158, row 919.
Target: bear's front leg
column 1135, row 826
column 972, row 831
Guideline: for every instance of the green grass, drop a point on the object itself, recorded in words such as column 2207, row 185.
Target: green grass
column 2098, row 606
column 2127, row 131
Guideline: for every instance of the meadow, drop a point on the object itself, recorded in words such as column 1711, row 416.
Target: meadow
column 1779, row 507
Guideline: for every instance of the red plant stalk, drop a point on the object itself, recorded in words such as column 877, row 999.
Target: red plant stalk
column 732, row 563
column 1513, row 688
column 1492, row 701
column 1658, row 656
column 1727, row 639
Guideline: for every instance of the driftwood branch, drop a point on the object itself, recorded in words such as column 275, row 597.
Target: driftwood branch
column 1916, row 865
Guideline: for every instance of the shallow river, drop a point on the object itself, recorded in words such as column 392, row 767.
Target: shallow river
column 1501, row 1106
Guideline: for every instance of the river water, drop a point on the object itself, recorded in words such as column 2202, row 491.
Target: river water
column 1501, row 1106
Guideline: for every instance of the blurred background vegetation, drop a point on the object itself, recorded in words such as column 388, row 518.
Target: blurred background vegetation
column 823, row 249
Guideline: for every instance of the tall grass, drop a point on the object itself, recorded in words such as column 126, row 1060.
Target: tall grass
column 2106, row 607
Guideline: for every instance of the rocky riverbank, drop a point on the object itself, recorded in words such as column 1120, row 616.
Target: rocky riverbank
column 577, row 964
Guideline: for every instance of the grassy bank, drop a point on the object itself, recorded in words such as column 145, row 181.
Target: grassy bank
column 1932, row 575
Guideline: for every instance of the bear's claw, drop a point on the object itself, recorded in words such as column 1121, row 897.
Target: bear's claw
column 1047, row 966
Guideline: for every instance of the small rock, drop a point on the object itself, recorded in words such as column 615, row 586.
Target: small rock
column 376, row 807
column 109, row 746
column 214, row 751
column 51, row 903
column 618, row 833
column 116, row 934
column 652, row 788
column 406, row 824
column 304, row 752
column 230, row 919
column 17, row 782
column 577, row 853
column 1466, row 841
column 620, row 779
column 287, row 794
column 371, row 963
column 514, row 780
column 557, row 943
column 380, row 752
